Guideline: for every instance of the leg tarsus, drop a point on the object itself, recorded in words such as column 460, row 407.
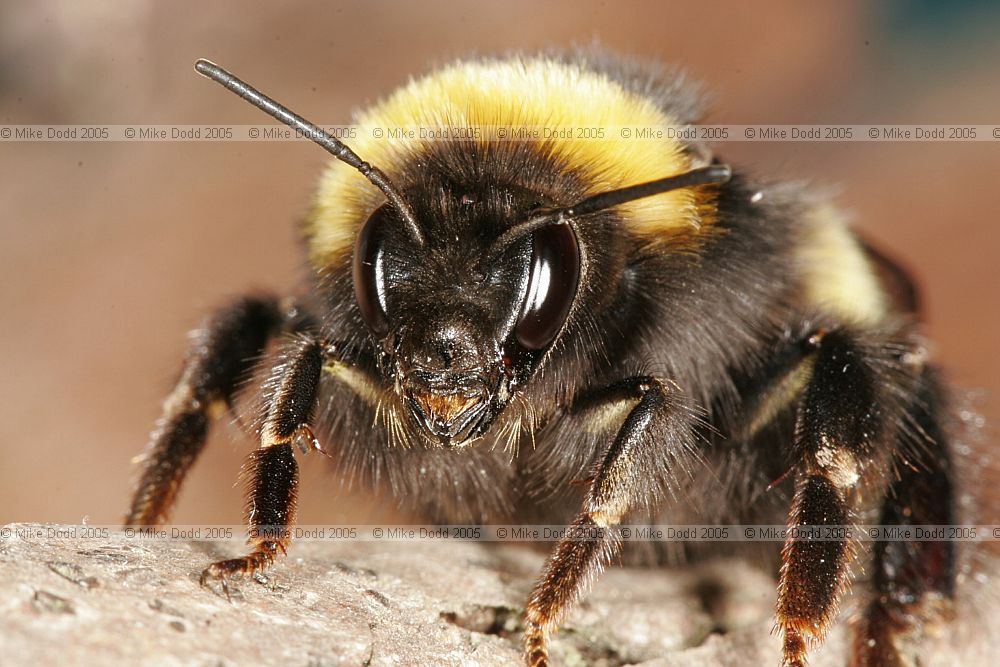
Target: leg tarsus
column 255, row 561
column 536, row 651
column 794, row 649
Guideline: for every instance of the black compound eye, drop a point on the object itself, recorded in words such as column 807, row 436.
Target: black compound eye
column 369, row 271
column 555, row 275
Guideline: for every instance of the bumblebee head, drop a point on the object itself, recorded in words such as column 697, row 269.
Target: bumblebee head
column 464, row 319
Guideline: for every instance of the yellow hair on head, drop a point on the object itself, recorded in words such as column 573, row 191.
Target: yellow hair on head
column 530, row 93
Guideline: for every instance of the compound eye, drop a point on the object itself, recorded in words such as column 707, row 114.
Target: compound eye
column 555, row 275
column 369, row 271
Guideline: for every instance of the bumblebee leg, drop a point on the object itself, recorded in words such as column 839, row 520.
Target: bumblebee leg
column 271, row 471
column 913, row 581
column 658, row 434
column 221, row 355
column 842, row 428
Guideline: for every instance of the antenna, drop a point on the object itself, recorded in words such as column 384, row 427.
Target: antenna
column 332, row 145
column 712, row 174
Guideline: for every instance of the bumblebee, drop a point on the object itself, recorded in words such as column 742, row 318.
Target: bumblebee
column 586, row 330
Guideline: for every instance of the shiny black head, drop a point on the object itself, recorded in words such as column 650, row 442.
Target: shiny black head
column 465, row 318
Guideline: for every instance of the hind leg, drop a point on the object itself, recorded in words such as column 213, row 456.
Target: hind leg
column 912, row 581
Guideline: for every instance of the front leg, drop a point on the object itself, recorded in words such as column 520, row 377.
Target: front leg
column 271, row 471
column 656, row 440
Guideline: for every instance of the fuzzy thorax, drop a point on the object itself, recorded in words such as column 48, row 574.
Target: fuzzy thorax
column 513, row 93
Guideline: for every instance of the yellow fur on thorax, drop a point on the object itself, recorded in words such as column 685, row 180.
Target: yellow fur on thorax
column 520, row 93
column 838, row 277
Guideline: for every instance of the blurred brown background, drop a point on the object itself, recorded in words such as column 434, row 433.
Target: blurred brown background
column 110, row 252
